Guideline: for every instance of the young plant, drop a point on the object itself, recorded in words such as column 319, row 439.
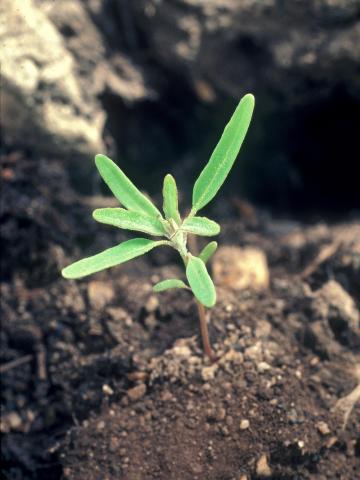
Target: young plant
column 138, row 213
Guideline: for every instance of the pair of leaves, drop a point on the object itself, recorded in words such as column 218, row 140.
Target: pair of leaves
column 198, row 277
column 199, row 280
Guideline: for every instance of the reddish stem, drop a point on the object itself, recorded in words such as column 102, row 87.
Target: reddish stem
column 205, row 332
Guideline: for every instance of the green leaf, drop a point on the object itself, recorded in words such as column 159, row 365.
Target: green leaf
column 208, row 251
column 200, row 226
column 167, row 284
column 111, row 257
column 119, row 217
column 171, row 201
column 123, row 189
column 224, row 155
column 200, row 282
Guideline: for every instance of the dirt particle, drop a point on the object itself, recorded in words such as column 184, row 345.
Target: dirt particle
column 244, row 424
column 137, row 392
column 262, row 467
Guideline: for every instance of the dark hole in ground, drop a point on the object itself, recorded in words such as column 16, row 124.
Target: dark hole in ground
column 299, row 160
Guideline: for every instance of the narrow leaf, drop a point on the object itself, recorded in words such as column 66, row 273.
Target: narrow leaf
column 200, row 226
column 208, row 251
column 123, row 189
column 110, row 257
column 200, row 282
column 167, row 284
column 224, row 155
column 119, row 217
column 171, row 200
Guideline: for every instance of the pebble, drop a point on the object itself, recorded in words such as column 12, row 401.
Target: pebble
column 263, row 367
column 208, row 373
column 107, row 390
column 262, row 467
column 137, row 392
column 100, row 294
column 152, row 304
column 323, row 428
column 220, row 414
column 244, row 424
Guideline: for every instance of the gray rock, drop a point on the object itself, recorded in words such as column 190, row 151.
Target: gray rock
column 239, row 46
column 333, row 303
column 55, row 63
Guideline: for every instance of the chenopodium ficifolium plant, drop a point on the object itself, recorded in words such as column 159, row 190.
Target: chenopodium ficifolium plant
column 139, row 214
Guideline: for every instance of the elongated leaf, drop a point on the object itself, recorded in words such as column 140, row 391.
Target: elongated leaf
column 123, row 189
column 224, row 155
column 208, row 251
column 200, row 226
column 171, row 201
column 110, row 257
column 200, row 282
column 167, row 284
column 119, row 217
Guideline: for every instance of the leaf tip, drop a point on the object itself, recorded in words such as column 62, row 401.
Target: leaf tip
column 66, row 273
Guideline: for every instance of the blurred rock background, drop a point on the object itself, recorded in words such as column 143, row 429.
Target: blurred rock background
column 153, row 82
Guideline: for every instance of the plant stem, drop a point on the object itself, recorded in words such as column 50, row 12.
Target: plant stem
column 204, row 332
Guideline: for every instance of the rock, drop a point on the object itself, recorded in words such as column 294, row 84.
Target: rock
column 100, row 294
column 43, row 103
column 241, row 46
column 262, row 467
column 137, row 392
column 244, row 424
column 56, row 61
column 335, row 306
column 241, row 268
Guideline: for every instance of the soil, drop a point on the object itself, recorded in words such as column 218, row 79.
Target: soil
column 101, row 379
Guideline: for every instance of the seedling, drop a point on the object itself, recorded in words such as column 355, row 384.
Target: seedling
column 141, row 215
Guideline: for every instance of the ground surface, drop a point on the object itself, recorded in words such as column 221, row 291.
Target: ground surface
column 103, row 380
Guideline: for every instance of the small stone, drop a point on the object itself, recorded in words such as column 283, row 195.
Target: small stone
column 323, row 428
column 262, row 467
column 244, row 424
column 263, row 367
column 182, row 350
column 100, row 425
column 100, row 294
column 152, row 304
column 241, row 268
column 263, row 329
column 137, row 392
column 208, row 373
column 301, row 444
column 107, row 390
column 220, row 414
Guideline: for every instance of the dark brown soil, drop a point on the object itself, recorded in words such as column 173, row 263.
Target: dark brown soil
column 103, row 380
